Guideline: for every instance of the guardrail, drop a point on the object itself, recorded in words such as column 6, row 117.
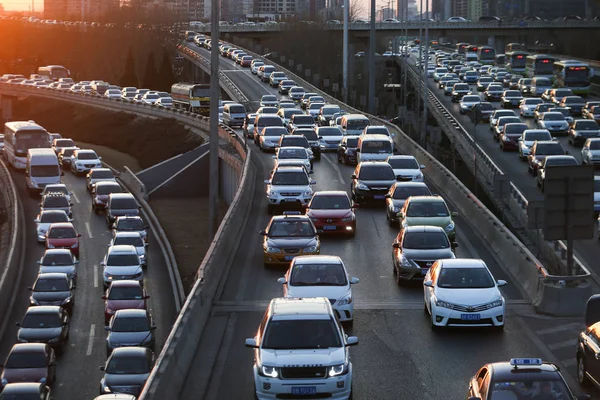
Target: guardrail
column 13, row 252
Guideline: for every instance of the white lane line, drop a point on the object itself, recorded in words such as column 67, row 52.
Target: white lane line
column 335, row 168
column 89, row 230
column 95, row 275
column 91, row 340
column 75, row 197
column 560, row 345
column 560, row 328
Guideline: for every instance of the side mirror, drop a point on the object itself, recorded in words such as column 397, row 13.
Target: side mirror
column 454, row 245
column 355, row 205
column 357, row 150
column 400, row 214
column 52, row 364
column 263, row 233
column 388, row 196
column 584, row 397
column 428, row 283
column 79, row 235
column 99, row 158
column 282, row 281
column 73, row 287
column 274, row 157
column 354, row 280
column 101, row 368
column 62, row 173
column 37, row 221
column 351, row 341
column 38, row 262
column 313, row 182
column 153, row 328
column 267, row 181
column 103, row 297
column 520, row 140
column 353, row 176
column 396, row 245
column 103, row 264
column 251, row 342
column 501, row 282
column 18, row 324
column 30, row 288
column 567, row 152
column 454, row 214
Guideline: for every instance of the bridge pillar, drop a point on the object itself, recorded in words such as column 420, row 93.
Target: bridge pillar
column 6, row 104
column 499, row 43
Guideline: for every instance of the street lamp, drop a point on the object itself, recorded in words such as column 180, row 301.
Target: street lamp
column 346, row 10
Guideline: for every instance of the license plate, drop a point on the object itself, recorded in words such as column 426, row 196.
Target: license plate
column 470, row 317
column 379, row 197
column 329, row 228
column 289, row 200
column 289, row 258
column 304, row 390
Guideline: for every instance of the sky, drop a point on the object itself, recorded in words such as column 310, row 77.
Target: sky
column 14, row 5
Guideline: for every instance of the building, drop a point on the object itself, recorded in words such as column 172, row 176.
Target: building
column 403, row 5
column 384, row 13
column 478, row 8
column 551, row 9
column 315, row 9
column 461, row 8
column 282, row 9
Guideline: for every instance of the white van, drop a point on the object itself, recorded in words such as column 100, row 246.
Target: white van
column 539, row 85
column 354, row 124
column 41, row 169
column 373, row 148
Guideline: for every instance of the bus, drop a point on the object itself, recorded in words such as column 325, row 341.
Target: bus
column 486, row 55
column 19, row 137
column 192, row 97
column 54, row 72
column 516, row 61
column 472, row 48
column 572, row 74
column 461, row 48
column 513, row 47
column 539, row 65
column 500, row 60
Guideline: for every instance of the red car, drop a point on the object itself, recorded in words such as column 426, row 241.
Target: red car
column 62, row 235
column 122, row 295
column 509, row 139
column 332, row 211
column 30, row 362
column 100, row 193
column 246, row 61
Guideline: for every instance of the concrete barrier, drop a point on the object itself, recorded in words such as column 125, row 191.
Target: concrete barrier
column 12, row 252
column 168, row 376
column 134, row 184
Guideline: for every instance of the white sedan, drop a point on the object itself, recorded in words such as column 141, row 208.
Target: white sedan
column 527, row 106
column 590, row 152
column 463, row 292
column 406, row 168
column 293, row 153
column 321, row 276
column 113, row 94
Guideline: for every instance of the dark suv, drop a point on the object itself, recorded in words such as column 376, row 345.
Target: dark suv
column 371, row 181
column 120, row 205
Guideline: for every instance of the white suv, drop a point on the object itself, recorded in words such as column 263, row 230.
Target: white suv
column 122, row 263
column 288, row 186
column 84, row 160
column 301, row 350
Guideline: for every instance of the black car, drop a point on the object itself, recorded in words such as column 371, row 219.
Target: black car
column 346, row 152
column 26, row 390
column 588, row 356
column 494, row 92
column 313, row 140
column 485, row 110
column 45, row 324
column 520, row 378
column 53, row 289
column 371, row 181
column 459, row 90
column 127, row 370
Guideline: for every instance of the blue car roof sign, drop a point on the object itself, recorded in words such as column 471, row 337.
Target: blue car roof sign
column 525, row 361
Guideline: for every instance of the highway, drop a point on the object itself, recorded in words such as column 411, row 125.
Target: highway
column 397, row 349
column 78, row 376
column 587, row 251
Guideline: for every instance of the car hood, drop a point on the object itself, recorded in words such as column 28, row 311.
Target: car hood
column 303, row 357
column 329, row 213
column 124, row 211
column 406, row 172
column 468, row 297
column 291, row 242
column 331, row 292
column 125, row 304
column 126, row 270
column 38, row 334
column 24, row 374
column 285, row 188
column 125, row 379
column 54, row 297
column 102, row 198
column 428, row 254
column 128, row 338
column 378, row 184
column 271, row 138
column 96, row 180
column 62, row 242
column 432, row 221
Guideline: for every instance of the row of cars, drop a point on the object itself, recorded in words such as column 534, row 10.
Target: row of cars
column 44, row 329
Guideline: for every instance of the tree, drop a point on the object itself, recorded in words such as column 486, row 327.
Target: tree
column 149, row 80
column 129, row 77
column 165, row 73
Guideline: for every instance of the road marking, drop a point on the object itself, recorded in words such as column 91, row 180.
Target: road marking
column 577, row 326
column 91, row 340
column 560, row 345
column 571, row 362
column 89, row 230
column 95, row 275
column 335, row 168
column 75, row 198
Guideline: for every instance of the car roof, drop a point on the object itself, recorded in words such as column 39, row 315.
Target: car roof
column 134, row 234
column 22, row 388
column 124, row 217
column 61, row 225
column 85, row 151
column 57, row 251
column 410, row 184
column 299, row 217
column 462, row 263
column 401, row 157
column 314, row 306
column 126, row 283
column 122, row 249
column 131, row 313
column 100, row 169
column 331, row 193
column 504, row 371
column 425, row 199
column 122, row 196
column 28, row 347
column 51, row 211
column 292, row 147
column 108, row 183
column 115, row 396
column 52, row 275
column 371, row 164
column 130, row 352
column 290, row 168
column 423, row 228
column 317, row 259
column 43, row 310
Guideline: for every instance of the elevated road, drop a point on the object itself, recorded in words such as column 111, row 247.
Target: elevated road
column 397, row 351
column 78, row 376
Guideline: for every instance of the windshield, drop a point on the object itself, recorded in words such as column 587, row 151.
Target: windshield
column 130, row 324
column 108, row 189
column 461, row 86
column 485, row 80
column 44, row 171
column 30, row 140
column 376, row 146
column 330, row 110
column 332, row 131
column 67, row 152
column 64, row 143
column 304, row 120
column 494, row 88
column 574, row 100
column 135, row 241
column 518, row 389
column 126, row 293
column 377, row 130
column 288, row 112
column 269, row 98
column 272, row 122
column 376, row 173
column 560, row 161
column 595, row 145
column 404, row 163
column 292, row 227
column 55, row 201
column 486, row 107
column 55, row 259
column 512, row 93
column 123, row 204
column 287, row 153
column 87, row 156
column 41, row 321
column 132, row 224
column 506, row 120
column 562, row 93
column 352, row 142
column 425, row 240
column 51, row 217
column 102, row 174
column 51, row 285
column 301, row 334
column 309, row 134
column 471, row 99
column 553, row 117
column 290, row 178
column 299, row 141
column 533, row 136
column 465, row 278
column 503, row 113
column 26, row 360
column 549, row 149
column 315, row 106
column 357, row 124
column 122, row 260
column 61, row 233
column 330, row 202
column 428, row 209
column 237, row 109
column 514, row 129
column 404, row 192
column 318, row 275
column 128, row 365
column 151, row 96
column 533, row 101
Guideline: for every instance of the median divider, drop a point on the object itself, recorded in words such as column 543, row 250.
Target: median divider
column 12, row 252
column 171, row 371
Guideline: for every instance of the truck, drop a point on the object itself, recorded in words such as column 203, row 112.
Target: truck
column 192, row 97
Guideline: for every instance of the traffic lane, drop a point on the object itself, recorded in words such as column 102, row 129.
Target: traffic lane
column 390, row 355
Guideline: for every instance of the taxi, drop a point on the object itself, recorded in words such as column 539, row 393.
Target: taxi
column 520, row 379
column 287, row 236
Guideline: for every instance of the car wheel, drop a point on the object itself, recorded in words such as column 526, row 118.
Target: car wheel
column 582, row 378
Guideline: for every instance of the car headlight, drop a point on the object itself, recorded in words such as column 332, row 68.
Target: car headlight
column 449, row 227
column 4, row 382
column 270, row 249
column 418, row 176
column 362, row 186
column 138, row 275
column 105, row 388
column 404, row 261
column 33, row 301
column 110, row 311
column 308, row 192
column 54, row 340
column 310, row 249
column 345, row 300
column 505, row 139
column 43, row 380
column 494, row 304
column 272, row 193
column 76, row 244
column 108, row 277
column 269, row 371
column 67, row 300
column 444, row 304
column 336, row 370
